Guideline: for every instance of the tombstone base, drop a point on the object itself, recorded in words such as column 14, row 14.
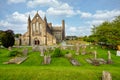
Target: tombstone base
column 109, row 61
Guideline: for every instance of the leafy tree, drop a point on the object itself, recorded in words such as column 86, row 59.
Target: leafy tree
column 107, row 33
column 7, row 38
column 17, row 35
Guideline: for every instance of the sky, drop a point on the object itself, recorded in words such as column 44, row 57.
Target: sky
column 79, row 15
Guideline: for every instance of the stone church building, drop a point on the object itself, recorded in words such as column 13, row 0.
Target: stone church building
column 40, row 32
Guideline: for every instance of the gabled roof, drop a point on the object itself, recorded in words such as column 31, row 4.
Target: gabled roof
column 37, row 15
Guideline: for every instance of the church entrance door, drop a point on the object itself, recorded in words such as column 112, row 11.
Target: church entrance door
column 36, row 42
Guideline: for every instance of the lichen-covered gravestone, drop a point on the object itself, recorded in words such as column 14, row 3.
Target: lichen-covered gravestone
column 106, row 76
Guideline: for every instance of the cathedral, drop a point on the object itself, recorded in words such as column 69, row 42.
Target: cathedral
column 40, row 32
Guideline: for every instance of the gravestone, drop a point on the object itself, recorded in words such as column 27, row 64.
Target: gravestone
column 25, row 52
column 118, row 53
column 77, row 49
column 63, row 45
column 95, row 61
column 83, row 50
column 74, row 62
column 47, row 59
column 118, row 50
column 68, row 56
column 106, row 75
column 42, row 50
column 9, row 48
column 35, row 48
column 109, row 61
column 16, row 60
column 95, row 55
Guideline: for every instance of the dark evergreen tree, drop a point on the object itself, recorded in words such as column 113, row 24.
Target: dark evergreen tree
column 8, row 38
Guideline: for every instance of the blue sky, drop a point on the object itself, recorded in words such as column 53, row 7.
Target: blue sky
column 79, row 15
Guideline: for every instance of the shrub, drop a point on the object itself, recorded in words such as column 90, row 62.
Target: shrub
column 57, row 53
column 14, row 53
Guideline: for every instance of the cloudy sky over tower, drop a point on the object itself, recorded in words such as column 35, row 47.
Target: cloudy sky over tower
column 79, row 15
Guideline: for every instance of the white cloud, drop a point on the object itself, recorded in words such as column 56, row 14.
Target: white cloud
column 84, row 14
column 17, row 17
column 18, row 21
column 95, row 22
column 16, row 1
column 55, row 7
column 105, row 14
column 102, row 15
column 60, row 12
column 35, row 3
column 78, row 31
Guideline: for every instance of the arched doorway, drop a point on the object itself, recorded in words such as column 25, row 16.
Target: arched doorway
column 36, row 42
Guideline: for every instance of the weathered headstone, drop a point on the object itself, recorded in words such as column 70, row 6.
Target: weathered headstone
column 68, row 56
column 16, row 60
column 74, row 62
column 42, row 50
column 106, row 75
column 95, row 55
column 118, row 53
column 47, row 59
column 118, row 50
column 25, row 52
column 9, row 48
column 35, row 48
column 109, row 61
column 77, row 49
column 83, row 50
column 95, row 61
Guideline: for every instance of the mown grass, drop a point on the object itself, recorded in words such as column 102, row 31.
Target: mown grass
column 60, row 68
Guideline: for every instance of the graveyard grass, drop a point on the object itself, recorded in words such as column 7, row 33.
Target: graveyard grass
column 59, row 69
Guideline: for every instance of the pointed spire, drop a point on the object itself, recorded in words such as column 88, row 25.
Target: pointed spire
column 29, row 19
column 37, row 11
column 45, row 19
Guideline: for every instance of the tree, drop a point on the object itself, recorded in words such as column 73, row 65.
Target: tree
column 7, row 38
column 17, row 35
column 107, row 33
column 1, row 34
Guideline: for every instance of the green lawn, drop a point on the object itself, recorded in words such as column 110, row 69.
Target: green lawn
column 59, row 69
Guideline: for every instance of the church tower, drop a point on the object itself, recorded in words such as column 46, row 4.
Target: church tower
column 63, row 29
column 29, row 29
column 45, row 20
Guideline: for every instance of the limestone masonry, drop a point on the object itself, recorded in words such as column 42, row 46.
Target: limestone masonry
column 40, row 32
